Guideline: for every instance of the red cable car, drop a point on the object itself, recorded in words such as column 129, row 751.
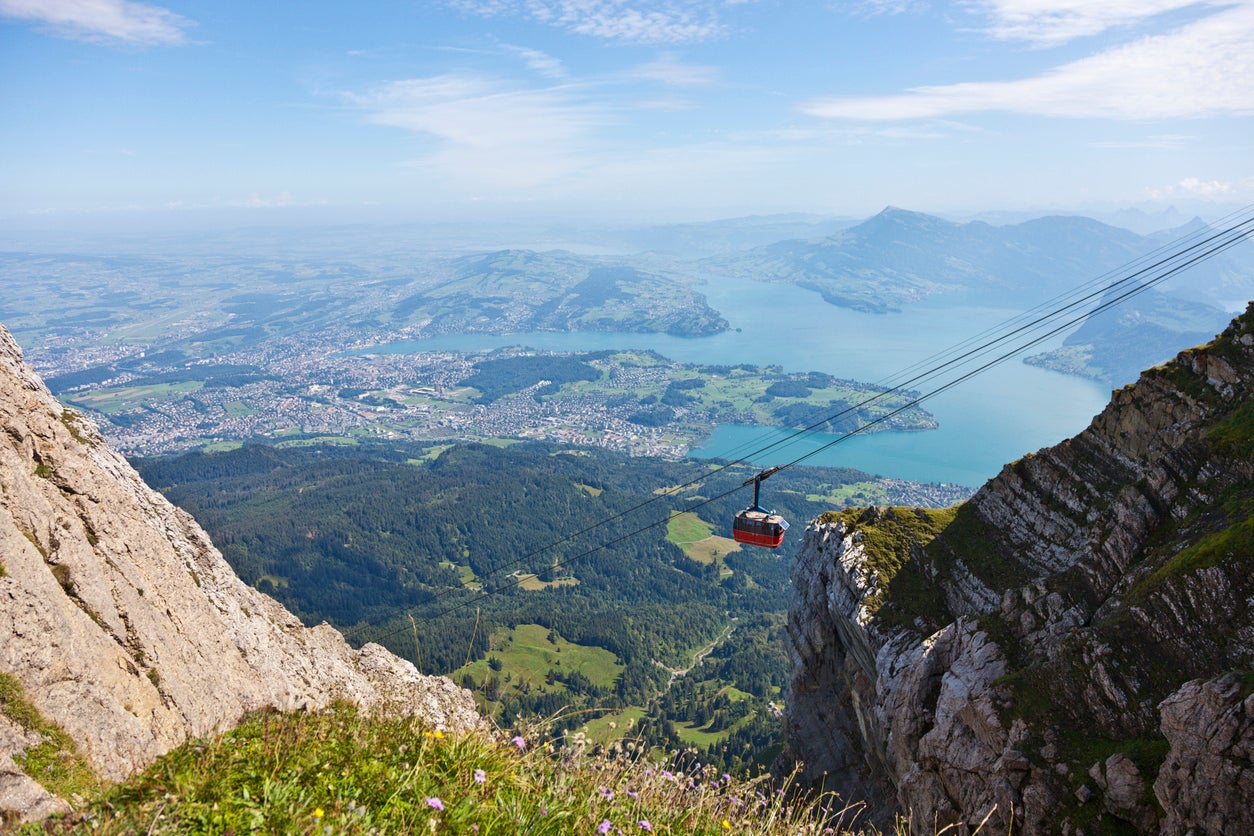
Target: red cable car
column 755, row 526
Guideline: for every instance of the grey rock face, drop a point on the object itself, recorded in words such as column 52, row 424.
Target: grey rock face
column 1054, row 660
column 126, row 626
column 1210, row 726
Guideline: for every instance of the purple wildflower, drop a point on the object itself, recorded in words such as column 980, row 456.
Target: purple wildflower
column 519, row 742
column 435, row 803
column 480, row 776
column 607, row 794
column 644, row 825
column 632, row 794
column 604, row 826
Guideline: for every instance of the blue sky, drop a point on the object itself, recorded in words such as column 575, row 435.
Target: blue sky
column 647, row 110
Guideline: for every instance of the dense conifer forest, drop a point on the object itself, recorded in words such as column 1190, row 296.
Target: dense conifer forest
column 438, row 552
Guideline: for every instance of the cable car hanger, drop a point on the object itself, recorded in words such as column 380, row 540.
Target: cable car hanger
column 755, row 526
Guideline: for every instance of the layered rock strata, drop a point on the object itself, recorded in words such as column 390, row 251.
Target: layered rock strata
column 125, row 626
column 1069, row 651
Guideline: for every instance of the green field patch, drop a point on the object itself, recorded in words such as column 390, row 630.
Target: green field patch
column 430, row 454
column 691, row 734
column 527, row 654
column 687, row 528
column 616, row 726
column 673, row 489
column 588, row 489
column 855, row 493
column 123, row 398
column 711, row 549
column 698, row 540
column 532, row 583
column 333, row 440
column 222, row 446
column 464, row 573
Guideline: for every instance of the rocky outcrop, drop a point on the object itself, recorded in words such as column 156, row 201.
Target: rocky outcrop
column 125, row 626
column 1072, row 649
column 1210, row 727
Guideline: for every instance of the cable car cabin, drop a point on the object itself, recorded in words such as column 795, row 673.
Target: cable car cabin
column 756, row 527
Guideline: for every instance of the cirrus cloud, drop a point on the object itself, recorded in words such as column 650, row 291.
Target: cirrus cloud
column 633, row 21
column 675, row 73
column 487, row 130
column 1050, row 22
column 1203, row 69
column 118, row 21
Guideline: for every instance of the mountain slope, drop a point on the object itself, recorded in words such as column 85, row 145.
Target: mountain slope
column 1113, row 346
column 899, row 257
column 123, row 625
column 1071, row 649
column 520, row 290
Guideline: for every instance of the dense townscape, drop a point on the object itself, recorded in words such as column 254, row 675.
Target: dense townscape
column 287, row 388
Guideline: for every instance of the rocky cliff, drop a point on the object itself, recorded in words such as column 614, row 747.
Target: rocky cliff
column 124, row 625
column 1069, row 651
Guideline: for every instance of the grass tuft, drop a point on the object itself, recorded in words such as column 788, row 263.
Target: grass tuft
column 337, row 771
column 54, row 761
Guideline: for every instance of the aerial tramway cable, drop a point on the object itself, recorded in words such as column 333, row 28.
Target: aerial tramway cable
column 1205, row 245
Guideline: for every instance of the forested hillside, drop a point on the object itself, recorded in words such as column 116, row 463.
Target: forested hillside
column 368, row 537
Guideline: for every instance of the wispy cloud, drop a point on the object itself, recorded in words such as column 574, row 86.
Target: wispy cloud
column 539, row 62
column 488, row 131
column 633, row 21
column 1197, row 188
column 871, row 8
column 1156, row 141
column 1203, row 69
column 676, row 73
column 116, row 21
column 1050, row 22
column 667, row 105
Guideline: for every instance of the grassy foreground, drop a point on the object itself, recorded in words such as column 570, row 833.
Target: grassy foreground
column 337, row 771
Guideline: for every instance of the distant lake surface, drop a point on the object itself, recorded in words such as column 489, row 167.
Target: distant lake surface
column 994, row 418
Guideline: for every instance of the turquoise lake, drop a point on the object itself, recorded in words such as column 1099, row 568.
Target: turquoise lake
column 985, row 422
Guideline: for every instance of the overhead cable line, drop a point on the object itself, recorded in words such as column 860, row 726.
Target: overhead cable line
column 1173, row 264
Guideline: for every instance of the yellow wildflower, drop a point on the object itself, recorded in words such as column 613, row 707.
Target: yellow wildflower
column 318, row 813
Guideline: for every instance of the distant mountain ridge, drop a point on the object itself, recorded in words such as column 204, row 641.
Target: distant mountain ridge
column 522, row 290
column 899, row 257
column 1114, row 345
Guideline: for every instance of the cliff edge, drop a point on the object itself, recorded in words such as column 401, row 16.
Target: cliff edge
column 1070, row 651
column 125, row 626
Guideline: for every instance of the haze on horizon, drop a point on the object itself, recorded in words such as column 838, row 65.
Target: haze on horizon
column 116, row 113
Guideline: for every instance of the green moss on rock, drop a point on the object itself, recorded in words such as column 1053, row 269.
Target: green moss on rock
column 55, row 761
column 1234, row 435
column 890, row 537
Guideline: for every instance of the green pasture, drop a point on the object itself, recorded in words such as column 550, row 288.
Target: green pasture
column 698, row 540
column 121, row 398
column 532, row 583
column 527, row 655
column 615, row 726
column 855, row 493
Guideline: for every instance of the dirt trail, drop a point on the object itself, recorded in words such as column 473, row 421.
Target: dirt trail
column 696, row 657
